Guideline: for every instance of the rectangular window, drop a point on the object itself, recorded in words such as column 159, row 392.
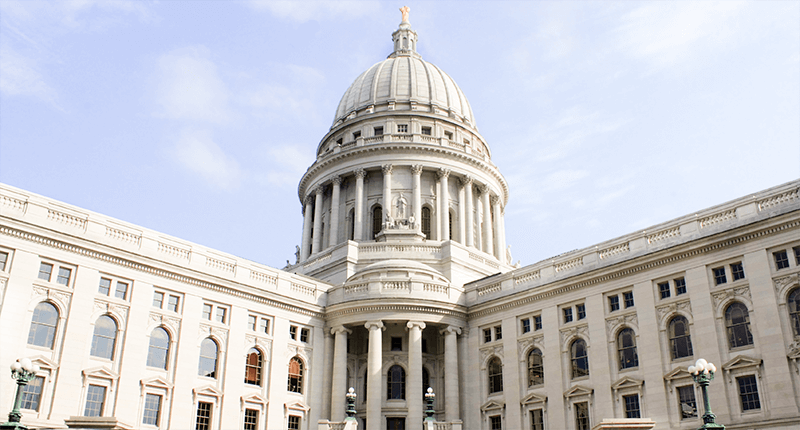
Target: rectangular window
column 95, row 398
column 293, row 332
column 796, row 250
column 719, row 276
column 632, row 406
column 250, row 419
column 207, row 311
column 680, row 286
column 3, row 261
column 152, row 409
column 356, row 134
column 537, row 322
column 63, row 275
column 748, row 393
column 448, row 135
column 567, row 315
column 158, row 299
column 781, row 260
column 45, row 270
column 402, row 128
column 537, row 419
column 304, row 332
column 663, row 290
column 294, row 422
column 104, row 287
column 487, row 335
column 203, row 420
column 122, row 290
column 498, row 333
column 628, row 296
column 221, row 314
column 737, row 271
column 378, row 131
column 613, row 303
column 251, row 322
column 496, row 422
column 32, row 394
column 426, row 131
column 526, row 325
column 581, row 311
column 397, row 344
column 264, row 326
column 688, row 404
column 173, row 303
column 582, row 416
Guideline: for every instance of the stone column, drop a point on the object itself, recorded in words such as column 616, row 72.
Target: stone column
column 306, row 229
column 488, row 245
column 327, row 384
column 462, row 214
column 416, row 173
column 374, row 363
column 469, row 210
column 316, row 244
column 387, row 190
column 358, row 213
column 451, row 402
column 444, row 204
column 339, row 387
column 334, row 236
column 415, row 388
column 437, row 213
column 502, row 234
column 478, row 224
column 498, row 239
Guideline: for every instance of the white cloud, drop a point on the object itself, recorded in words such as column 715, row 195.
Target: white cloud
column 190, row 88
column 196, row 151
column 303, row 11
column 20, row 76
column 285, row 164
column 563, row 179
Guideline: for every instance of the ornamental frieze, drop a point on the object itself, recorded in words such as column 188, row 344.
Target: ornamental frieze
column 785, row 281
column 492, row 350
column 684, row 306
column 159, row 319
column 613, row 323
column 524, row 344
column 740, row 292
column 41, row 293
column 218, row 332
column 582, row 331
column 263, row 343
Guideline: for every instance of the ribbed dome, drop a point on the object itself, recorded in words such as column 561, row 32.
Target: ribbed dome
column 404, row 81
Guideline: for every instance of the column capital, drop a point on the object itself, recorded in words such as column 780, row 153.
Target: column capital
column 443, row 173
column 386, row 169
column 340, row 329
column 451, row 329
column 466, row 180
column 320, row 189
column 336, row 180
column 308, row 200
column 484, row 189
column 415, row 324
column 360, row 173
column 416, row 169
column 375, row 325
column 495, row 200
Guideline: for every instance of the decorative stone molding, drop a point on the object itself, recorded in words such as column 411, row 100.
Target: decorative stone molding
column 443, row 173
column 567, row 265
column 736, row 292
column 220, row 265
column 303, row 289
column 263, row 278
column 303, row 352
column 663, row 311
column 534, row 399
column 491, row 350
column 782, row 283
column 119, row 311
column 778, row 200
column 525, row 343
column 66, row 219
column 741, row 362
column 677, row 375
column 612, row 324
column 123, row 236
column 569, row 333
column 174, row 251
column 489, row 289
column 527, row 277
column 416, row 169
column 494, row 200
column 718, row 218
column 12, row 203
column 60, row 298
column 664, row 234
column 448, row 329
column 262, row 343
column 319, row 190
column 386, row 169
column 615, row 250
column 360, row 173
column 484, row 189
column 396, row 285
column 466, row 180
column 357, row 288
column 218, row 332
column 336, row 180
column 172, row 323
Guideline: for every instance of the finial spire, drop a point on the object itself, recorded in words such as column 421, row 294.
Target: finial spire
column 405, row 10
column 405, row 39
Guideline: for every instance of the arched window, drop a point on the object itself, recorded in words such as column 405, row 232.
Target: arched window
column 43, row 325
column 396, row 383
column 377, row 221
column 626, row 346
column 495, row 375
column 426, row 222
column 208, row 358
column 295, row 375
column 158, row 352
column 535, row 368
column 105, row 337
column 426, row 380
column 351, row 224
column 794, row 311
column 737, row 321
column 680, row 341
column 252, row 367
column 580, row 359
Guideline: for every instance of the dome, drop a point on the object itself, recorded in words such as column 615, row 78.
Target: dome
column 404, row 81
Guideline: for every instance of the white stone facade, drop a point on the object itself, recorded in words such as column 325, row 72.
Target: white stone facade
column 155, row 332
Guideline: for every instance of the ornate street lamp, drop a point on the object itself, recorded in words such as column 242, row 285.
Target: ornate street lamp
column 703, row 374
column 351, row 404
column 23, row 371
column 429, row 397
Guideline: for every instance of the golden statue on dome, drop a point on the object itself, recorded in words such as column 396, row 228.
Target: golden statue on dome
column 405, row 10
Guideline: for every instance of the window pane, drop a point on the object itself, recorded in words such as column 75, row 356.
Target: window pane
column 748, row 393
column 719, row 276
column 264, row 325
column 628, row 296
column 251, row 322
column 252, row 370
column 396, row 381
column 295, row 383
column 203, row 420
column 663, row 289
column 95, row 398
column 687, row 402
column 221, row 315
column 679, row 338
column 3, row 260
column 537, row 419
column 781, row 260
column 737, row 322
column 45, row 270
column 172, row 305
column 32, row 394
column 158, row 299
column 63, row 276
column 250, row 419
column 613, row 303
column 208, row 359
column 159, row 348
column 495, row 375
column 43, row 325
column 526, row 325
column 206, row 312
column 582, row 416
column 105, row 337
column 793, row 302
column 580, row 360
column 680, row 286
column 581, row 311
column 537, row 322
column 294, row 422
column 737, row 270
column 626, row 346
column 152, row 409
column 535, row 368
column 121, row 291
column 104, row 287
column 632, row 406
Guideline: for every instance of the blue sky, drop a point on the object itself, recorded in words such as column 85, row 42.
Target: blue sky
column 197, row 119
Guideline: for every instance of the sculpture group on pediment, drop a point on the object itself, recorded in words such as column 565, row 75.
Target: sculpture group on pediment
column 404, row 218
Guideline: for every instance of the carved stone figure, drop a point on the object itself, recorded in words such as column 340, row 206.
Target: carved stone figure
column 402, row 205
column 405, row 10
column 296, row 254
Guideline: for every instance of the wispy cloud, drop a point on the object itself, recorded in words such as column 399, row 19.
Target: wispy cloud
column 303, row 11
column 196, row 151
column 20, row 76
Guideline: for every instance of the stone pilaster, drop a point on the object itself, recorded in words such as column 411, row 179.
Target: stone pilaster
column 488, row 243
column 470, row 223
column 415, row 388
column 339, row 387
column 451, row 402
column 374, row 363
column 334, row 235
column 316, row 244
column 358, row 213
column 305, row 244
column 444, row 204
column 416, row 173
column 387, row 189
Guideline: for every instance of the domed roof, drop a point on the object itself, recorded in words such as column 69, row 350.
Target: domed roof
column 404, row 81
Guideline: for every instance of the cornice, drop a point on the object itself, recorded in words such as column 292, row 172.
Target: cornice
column 488, row 308
column 354, row 308
column 171, row 275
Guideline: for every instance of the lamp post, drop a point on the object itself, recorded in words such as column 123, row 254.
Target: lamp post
column 429, row 397
column 23, row 371
column 351, row 404
column 703, row 373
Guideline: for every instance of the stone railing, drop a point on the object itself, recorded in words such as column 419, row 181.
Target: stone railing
column 344, row 425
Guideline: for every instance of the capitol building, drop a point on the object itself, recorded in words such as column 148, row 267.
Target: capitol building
column 403, row 281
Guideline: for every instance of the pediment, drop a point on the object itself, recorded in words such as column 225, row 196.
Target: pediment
column 578, row 390
column 533, row 398
column 741, row 362
column 44, row 362
column 255, row 398
column 627, row 382
column 156, row 381
column 297, row 406
column 678, row 373
column 100, row 372
column 492, row 405
column 207, row 390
